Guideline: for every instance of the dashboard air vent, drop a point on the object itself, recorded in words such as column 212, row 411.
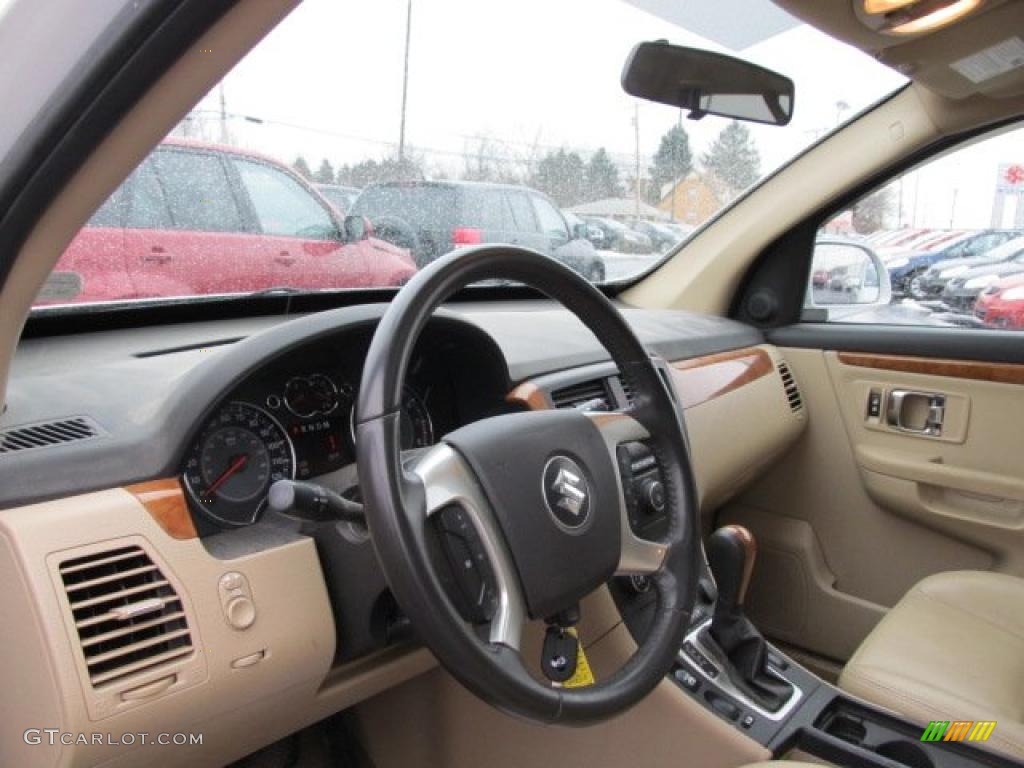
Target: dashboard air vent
column 127, row 615
column 796, row 403
column 627, row 390
column 579, row 395
column 47, row 433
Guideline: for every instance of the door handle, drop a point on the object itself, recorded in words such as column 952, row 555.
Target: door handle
column 918, row 413
column 285, row 260
column 157, row 256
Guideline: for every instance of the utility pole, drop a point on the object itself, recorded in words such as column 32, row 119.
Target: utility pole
column 636, row 127
column 405, row 82
column 675, row 169
column 223, row 115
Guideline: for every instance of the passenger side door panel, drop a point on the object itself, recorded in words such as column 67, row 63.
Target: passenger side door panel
column 860, row 510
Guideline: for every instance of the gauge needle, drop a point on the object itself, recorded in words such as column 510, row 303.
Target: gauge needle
column 235, row 465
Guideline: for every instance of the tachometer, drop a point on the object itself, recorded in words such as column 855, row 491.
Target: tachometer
column 239, row 454
column 417, row 428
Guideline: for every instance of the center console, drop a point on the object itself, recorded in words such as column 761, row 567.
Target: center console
column 727, row 667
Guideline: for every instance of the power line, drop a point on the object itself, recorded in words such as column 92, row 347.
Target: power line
column 624, row 161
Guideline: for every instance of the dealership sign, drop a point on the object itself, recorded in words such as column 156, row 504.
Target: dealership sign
column 1011, row 178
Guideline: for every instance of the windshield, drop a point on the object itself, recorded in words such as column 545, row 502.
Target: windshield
column 362, row 140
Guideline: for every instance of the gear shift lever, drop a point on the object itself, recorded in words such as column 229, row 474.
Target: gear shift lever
column 731, row 552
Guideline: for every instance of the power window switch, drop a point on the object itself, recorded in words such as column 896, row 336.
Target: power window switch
column 875, row 404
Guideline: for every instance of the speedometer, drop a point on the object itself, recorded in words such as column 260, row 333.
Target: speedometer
column 241, row 451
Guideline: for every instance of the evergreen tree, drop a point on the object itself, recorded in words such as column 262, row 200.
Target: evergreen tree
column 733, row 158
column 325, row 173
column 602, row 177
column 672, row 161
column 302, row 167
column 874, row 211
column 561, row 176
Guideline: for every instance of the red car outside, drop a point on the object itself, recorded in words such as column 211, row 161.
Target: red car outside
column 1002, row 305
column 197, row 219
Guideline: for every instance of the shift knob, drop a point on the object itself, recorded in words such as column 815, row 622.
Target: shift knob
column 731, row 552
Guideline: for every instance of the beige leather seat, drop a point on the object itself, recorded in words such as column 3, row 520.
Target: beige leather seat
column 951, row 649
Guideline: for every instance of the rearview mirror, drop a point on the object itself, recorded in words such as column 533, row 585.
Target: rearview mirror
column 706, row 83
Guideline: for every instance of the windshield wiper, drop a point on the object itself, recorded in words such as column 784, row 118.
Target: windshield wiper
column 275, row 290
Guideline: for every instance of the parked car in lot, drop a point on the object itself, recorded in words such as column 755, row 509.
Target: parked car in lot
column 933, row 281
column 619, row 237
column 662, row 238
column 591, row 232
column 1002, row 305
column 431, row 218
column 963, row 290
column 338, row 196
column 201, row 219
column 904, row 269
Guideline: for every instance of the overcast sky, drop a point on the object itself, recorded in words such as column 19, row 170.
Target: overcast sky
column 327, row 83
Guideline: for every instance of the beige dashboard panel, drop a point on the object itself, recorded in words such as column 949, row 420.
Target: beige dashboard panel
column 199, row 693
column 737, row 413
column 739, row 420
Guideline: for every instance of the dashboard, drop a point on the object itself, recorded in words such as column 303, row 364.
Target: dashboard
column 295, row 419
column 187, row 427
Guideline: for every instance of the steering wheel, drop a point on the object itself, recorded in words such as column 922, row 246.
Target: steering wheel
column 542, row 491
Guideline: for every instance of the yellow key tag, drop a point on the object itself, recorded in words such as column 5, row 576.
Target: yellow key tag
column 583, row 676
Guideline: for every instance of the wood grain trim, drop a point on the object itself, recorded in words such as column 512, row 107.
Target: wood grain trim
column 530, row 396
column 165, row 501
column 697, row 380
column 702, row 379
column 1000, row 373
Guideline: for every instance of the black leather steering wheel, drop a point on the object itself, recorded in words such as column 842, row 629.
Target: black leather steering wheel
column 503, row 474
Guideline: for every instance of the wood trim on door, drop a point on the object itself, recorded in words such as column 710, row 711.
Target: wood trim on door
column 1001, row 373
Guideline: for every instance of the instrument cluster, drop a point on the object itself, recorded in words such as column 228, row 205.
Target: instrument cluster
column 296, row 420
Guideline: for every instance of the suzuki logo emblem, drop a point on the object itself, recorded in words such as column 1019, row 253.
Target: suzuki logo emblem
column 566, row 492
column 570, row 487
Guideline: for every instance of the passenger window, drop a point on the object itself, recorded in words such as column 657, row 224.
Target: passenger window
column 942, row 245
column 522, row 212
column 551, row 221
column 111, row 213
column 147, row 208
column 198, row 192
column 485, row 209
column 283, row 206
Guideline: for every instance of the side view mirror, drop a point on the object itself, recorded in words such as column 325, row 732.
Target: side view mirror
column 357, row 228
column 847, row 278
column 580, row 232
column 706, row 83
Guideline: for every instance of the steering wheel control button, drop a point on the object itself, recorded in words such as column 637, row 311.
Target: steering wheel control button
column 236, row 600
column 566, row 492
column 654, row 494
column 475, row 589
